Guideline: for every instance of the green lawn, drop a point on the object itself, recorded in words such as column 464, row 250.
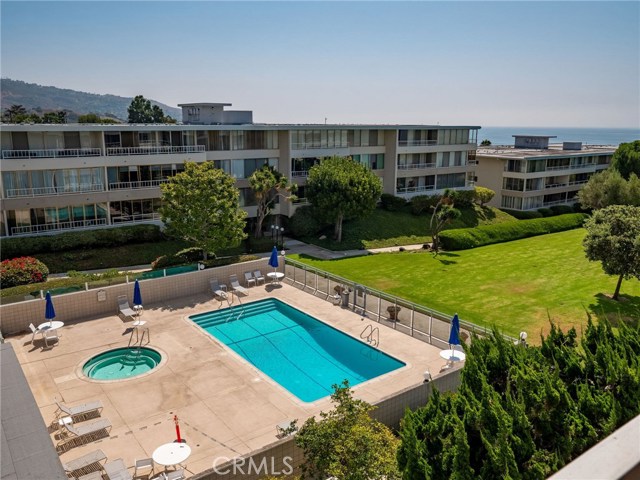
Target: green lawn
column 516, row 286
column 380, row 229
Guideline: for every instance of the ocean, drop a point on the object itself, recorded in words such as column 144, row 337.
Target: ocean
column 588, row 136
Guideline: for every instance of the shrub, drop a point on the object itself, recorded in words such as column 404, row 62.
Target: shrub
column 165, row 261
column 424, row 203
column 463, row 198
column 545, row 212
column 520, row 215
column 483, row 195
column 304, row 223
column 391, row 202
column 22, row 271
column 190, row 255
column 107, row 237
column 464, row 238
column 562, row 209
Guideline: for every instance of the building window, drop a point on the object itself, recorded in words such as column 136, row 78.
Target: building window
column 514, row 203
column 450, row 180
column 516, row 184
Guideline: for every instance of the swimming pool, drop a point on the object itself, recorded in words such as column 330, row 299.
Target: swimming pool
column 302, row 354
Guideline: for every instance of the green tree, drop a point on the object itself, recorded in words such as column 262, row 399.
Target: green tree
column 443, row 213
column 267, row 185
column 347, row 443
column 201, row 206
column 141, row 111
column 340, row 188
column 604, row 189
column 14, row 112
column 626, row 159
column 613, row 238
column 55, row 117
column 93, row 118
column 485, row 143
column 483, row 195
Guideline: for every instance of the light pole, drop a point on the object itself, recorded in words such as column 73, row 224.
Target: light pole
column 282, row 237
column 273, row 227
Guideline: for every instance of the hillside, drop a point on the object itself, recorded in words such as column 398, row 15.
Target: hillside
column 43, row 99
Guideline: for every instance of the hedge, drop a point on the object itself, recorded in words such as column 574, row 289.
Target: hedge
column 464, row 238
column 106, row 237
column 522, row 214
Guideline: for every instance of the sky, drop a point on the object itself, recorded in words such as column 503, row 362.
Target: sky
column 562, row 64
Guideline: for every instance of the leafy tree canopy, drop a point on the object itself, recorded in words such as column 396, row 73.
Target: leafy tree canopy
column 626, row 159
column 483, row 195
column 141, row 111
column 347, row 443
column 443, row 213
column 609, row 188
column 340, row 188
column 613, row 238
column 201, row 206
column 93, row 118
column 267, row 185
column 19, row 114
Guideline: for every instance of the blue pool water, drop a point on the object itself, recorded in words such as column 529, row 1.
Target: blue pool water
column 302, row 354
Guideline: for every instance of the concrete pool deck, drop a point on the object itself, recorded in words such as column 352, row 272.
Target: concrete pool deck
column 226, row 407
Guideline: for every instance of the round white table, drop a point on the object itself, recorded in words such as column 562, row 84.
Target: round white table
column 171, row 454
column 453, row 355
column 275, row 276
column 53, row 325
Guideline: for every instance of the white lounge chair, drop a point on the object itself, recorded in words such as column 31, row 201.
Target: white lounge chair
column 117, row 470
column 175, row 475
column 217, row 289
column 258, row 276
column 237, row 288
column 124, row 308
column 142, row 465
column 78, row 411
column 50, row 335
column 34, row 330
column 85, row 464
column 248, row 278
column 91, row 430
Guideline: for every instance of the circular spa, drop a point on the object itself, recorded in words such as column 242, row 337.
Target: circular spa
column 122, row 363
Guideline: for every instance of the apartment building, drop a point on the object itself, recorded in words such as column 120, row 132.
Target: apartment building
column 532, row 173
column 74, row 176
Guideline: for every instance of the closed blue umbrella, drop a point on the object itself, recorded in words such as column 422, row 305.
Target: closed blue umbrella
column 49, row 312
column 137, row 296
column 454, row 334
column 273, row 259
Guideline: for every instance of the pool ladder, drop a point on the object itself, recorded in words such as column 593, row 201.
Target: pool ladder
column 371, row 335
column 232, row 313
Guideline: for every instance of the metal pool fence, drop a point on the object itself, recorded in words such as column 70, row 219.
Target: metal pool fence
column 421, row 322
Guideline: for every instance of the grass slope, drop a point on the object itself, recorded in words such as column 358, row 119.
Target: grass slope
column 387, row 229
column 516, row 285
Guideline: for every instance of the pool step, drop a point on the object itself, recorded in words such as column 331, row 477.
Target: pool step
column 221, row 316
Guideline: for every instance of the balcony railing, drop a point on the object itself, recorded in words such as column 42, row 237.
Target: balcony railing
column 416, row 143
column 411, row 166
column 157, row 150
column 557, row 202
column 52, row 153
column 571, row 167
column 138, row 217
column 135, row 185
column 63, row 190
column 51, row 227
column 300, row 173
column 555, row 185
column 316, row 145
column 424, row 188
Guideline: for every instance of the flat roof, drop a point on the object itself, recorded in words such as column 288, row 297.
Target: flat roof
column 554, row 150
column 534, row 136
column 204, row 104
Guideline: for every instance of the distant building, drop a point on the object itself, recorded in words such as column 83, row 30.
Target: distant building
column 533, row 174
column 76, row 176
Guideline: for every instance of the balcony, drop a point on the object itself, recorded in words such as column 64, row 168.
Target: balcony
column 157, row 150
column 137, row 185
column 423, row 188
column 316, row 146
column 52, row 153
column 412, row 166
column 134, row 218
column 54, row 227
column 300, row 173
column 48, row 191
column 416, row 143
column 570, row 167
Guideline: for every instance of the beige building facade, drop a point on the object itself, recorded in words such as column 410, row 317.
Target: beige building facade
column 534, row 174
column 75, row 176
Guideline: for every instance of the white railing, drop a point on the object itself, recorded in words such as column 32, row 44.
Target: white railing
column 571, row 167
column 415, row 189
column 579, row 182
column 63, row 190
column 300, row 173
column 556, row 202
column 138, row 217
column 416, row 143
column 139, row 184
column 154, row 150
column 555, row 185
column 315, row 145
column 52, row 153
column 50, row 227
column 411, row 166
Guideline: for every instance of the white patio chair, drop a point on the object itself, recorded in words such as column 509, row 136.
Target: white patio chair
column 34, row 330
column 237, row 288
column 124, row 308
column 91, row 430
column 144, row 464
column 85, row 464
column 117, row 470
column 78, row 411
column 176, row 475
column 50, row 335
column 258, row 276
column 217, row 289
column 248, row 277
